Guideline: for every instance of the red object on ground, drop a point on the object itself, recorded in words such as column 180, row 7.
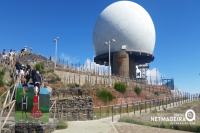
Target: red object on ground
column 120, row 72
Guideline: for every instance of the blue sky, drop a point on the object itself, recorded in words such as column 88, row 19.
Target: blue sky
column 37, row 23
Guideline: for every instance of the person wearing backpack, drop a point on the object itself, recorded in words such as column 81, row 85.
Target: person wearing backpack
column 17, row 68
column 28, row 75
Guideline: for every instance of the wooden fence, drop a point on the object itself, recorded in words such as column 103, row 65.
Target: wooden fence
column 111, row 110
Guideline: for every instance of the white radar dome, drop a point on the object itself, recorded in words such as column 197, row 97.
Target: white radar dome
column 129, row 24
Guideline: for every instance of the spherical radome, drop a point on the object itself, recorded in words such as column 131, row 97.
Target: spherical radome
column 129, row 24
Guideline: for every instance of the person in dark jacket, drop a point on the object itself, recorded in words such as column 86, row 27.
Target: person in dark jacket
column 28, row 75
column 18, row 66
column 37, row 80
column 33, row 75
column 28, row 67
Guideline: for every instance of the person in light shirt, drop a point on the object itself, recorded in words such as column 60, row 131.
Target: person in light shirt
column 4, row 54
column 11, row 55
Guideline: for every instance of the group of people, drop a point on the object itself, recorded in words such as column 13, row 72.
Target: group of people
column 9, row 55
column 27, row 72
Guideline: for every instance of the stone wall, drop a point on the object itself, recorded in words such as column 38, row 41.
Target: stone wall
column 69, row 77
column 72, row 109
column 32, row 127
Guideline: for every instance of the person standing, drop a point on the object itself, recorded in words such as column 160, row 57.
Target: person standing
column 37, row 80
column 50, row 57
column 33, row 75
column 11, row 55
column 28, row 76
column 30, row 49
column 21, row 72
column 24, row 105
column 28, row 66
column 4, row 54
column 17, row 68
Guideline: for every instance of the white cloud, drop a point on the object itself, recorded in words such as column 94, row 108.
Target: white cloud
column 68, row 58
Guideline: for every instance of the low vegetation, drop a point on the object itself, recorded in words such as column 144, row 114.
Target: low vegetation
column 120, row 87
column 40, row 67
column 62, row 124
column 137, row 90
column 57, row 77
column 105, row 95
column 156, row 93
column 71, row 85
column 2, row 72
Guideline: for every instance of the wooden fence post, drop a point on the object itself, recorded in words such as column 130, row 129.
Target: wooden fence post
column 55, row 110
column 145, row 107
column 140, row 108
column 100, row 110
column 120, row 110
column 134, row 107
column 159, row 103
column 108, row 109
column 150, row 105
column 155, row 103
column 127, row 108
column 115, row 109
column 62, row 112
column 112, row 113
column 166, row 102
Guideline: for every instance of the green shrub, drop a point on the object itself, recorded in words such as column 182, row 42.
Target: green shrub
column 137, row 90
column 156, row 93
column 57, row 77
column 40, row 67
column 120, row 87
column 2, row 83
column 71, row 85
column 2, row 72
column 62, row 124
column 105, row 95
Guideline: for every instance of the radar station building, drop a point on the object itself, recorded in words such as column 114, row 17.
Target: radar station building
column 132, row 28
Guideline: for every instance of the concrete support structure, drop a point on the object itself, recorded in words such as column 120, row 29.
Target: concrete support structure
column 120, row 62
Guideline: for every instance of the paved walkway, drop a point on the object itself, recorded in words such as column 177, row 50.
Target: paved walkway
column 105, row 125
column 134, row 128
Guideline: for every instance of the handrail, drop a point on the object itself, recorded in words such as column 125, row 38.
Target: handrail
column 8, row 115
column 7, row 91
column 52, row 104
column 7, row 105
